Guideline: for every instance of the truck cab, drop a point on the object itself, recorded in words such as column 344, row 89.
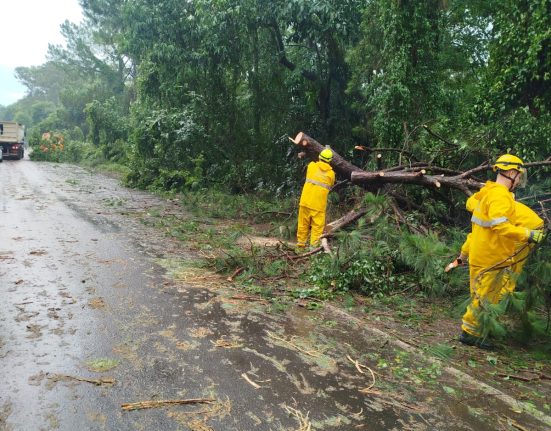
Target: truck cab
column 12, row 140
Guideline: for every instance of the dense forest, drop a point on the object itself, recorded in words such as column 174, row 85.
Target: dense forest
column 203, row 94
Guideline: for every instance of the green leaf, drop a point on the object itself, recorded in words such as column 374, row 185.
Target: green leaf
column 448, row 390
column 492, row 360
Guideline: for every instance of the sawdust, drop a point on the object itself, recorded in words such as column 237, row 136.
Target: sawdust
column 128, row 353
column 96, row 303
column 36, row 379
column 5, row 412
column 184, row 345
column 35, row 331
column 201, row 332
column 227, row 344
column 97, row 417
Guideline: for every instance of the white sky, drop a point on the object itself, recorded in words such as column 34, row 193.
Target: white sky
column 32, row 24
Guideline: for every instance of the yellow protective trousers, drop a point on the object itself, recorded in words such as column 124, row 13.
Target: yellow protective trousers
column 309, row 219
column 487, row 287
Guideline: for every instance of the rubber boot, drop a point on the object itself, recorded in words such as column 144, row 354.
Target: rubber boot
column 471, row 340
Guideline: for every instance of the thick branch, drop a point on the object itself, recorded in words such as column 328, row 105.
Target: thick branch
column 414, row 173
column 419, row 178
column 345, row 220
column 283, row 60
column 313, row 148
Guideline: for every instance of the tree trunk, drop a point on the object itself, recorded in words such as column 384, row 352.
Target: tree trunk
column 312, row 148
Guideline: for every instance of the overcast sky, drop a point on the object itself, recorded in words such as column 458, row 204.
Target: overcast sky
column 28, row 26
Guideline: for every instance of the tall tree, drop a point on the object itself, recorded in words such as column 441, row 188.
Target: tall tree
column 515, row 96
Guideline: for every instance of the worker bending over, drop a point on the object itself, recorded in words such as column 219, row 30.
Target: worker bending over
column 320, row 178
column 499, row 228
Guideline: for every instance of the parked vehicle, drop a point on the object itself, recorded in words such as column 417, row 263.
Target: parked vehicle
column 12, row 139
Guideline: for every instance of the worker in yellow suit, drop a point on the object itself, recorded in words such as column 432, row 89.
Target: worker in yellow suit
column 320, row 178
column 525, row 216
column 499, row 228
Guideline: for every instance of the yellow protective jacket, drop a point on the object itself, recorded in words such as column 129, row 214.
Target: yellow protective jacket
column 524, row 216
column 495, row 225
column 319, row 180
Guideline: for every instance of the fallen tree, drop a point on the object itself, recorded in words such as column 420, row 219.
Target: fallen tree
column 418, row 173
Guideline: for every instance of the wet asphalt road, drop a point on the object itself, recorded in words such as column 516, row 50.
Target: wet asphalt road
column 85, row 285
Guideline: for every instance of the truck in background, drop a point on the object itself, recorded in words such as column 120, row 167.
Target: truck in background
column 12, row 139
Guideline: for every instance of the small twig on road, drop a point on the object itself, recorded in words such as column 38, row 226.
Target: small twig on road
column 303, row 420
column 359, row 368
column 150, row 404
column 226, row 344
column 97, row 382
column 253, row 384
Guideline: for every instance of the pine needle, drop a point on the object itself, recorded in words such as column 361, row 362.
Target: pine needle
column 303, row 420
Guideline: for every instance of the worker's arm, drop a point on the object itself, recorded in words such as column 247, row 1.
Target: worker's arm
column 465, row 247
column 472, row 202
column 463, row 256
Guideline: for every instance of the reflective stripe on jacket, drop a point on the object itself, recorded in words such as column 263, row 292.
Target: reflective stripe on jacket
column 319, row 180
column 524, row 216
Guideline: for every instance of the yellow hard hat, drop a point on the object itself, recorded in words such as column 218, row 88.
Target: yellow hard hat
column 326, row 155
column 508, row 162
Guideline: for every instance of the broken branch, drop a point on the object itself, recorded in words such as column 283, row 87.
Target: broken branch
column 97, row 382
column 150, row 404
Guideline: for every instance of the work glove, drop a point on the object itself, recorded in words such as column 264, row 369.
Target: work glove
column 457, row 262
column 535, row 236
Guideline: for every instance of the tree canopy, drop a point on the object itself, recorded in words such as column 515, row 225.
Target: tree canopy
column 226, row 81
